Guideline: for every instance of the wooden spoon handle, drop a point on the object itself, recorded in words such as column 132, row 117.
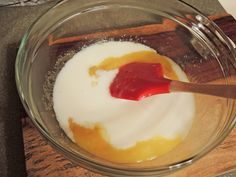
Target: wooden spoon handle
column 227, row 91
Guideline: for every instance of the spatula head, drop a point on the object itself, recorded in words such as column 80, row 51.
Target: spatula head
column 135, row 81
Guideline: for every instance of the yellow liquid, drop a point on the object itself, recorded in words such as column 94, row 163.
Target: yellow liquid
column 111, row 63
column 94, row 139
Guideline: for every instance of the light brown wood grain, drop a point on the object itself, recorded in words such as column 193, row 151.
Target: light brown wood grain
column 221, row 159
column 43, row 161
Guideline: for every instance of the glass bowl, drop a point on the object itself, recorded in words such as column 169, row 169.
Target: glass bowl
column 173, row 28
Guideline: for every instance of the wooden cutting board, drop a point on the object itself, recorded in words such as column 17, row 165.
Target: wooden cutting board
column 42, row 160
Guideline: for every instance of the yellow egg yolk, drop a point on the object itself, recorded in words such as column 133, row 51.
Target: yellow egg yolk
column 93, row 140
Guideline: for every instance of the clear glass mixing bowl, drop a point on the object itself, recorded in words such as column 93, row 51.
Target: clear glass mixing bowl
column 172, row 27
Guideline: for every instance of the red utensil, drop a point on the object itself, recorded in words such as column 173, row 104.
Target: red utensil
column 135, row 81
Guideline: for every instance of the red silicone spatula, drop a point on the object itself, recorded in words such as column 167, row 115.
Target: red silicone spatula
column 135, row 81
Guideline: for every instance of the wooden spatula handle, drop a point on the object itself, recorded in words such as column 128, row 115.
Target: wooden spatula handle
column 227, row 91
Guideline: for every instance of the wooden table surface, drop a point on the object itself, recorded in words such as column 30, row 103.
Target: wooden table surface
column 42, row 160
